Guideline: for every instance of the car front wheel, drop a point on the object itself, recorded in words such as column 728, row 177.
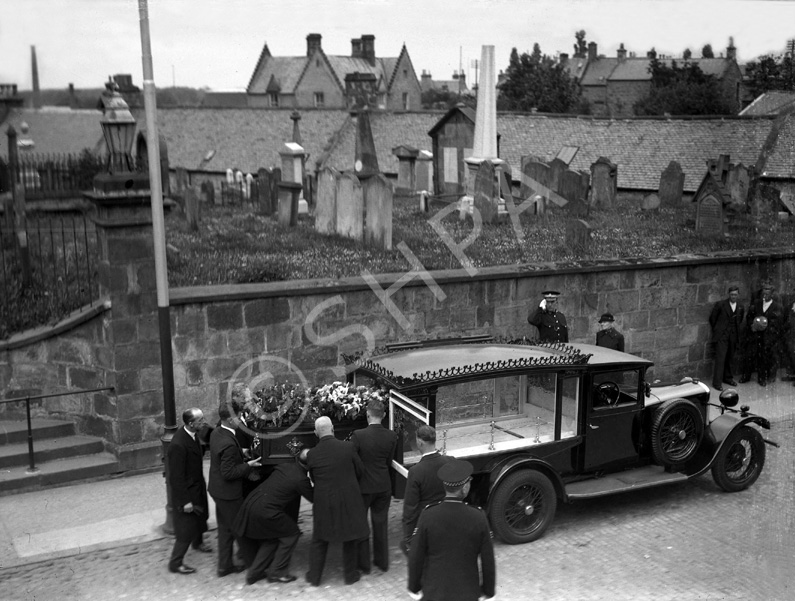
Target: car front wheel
column 522, row 507
column 740, row 460
column 676, row 431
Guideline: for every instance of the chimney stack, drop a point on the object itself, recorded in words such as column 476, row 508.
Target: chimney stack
column 312, row 43
column 72, row 97
column 622, row 53
column 35, row 74
column 563, row 59
column 356, row 48
column 731, row 51
column 592, row 51
column 368, row 48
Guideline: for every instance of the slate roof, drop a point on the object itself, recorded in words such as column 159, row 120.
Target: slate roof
column 637, row 69
column 780, row 163
column 286, row 70
column 389, row 130
column 597, row 71
column 770, row 103
column 642, row 148
column 56, row 130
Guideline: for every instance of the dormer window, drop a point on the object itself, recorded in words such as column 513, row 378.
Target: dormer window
column 273, row 99
column 319, row 100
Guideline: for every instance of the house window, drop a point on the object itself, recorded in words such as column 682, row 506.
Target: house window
column 405, row 72
column 319, row 100
column 273, row 99
column 405, row 101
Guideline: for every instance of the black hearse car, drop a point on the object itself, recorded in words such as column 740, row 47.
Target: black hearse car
column 544, row 423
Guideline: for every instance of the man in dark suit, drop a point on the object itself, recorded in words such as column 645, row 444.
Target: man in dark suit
column 264, row 526
column 338, row 513
column 376, row 447
column 725, row 320
column 188, row 490
column 228, row 469
column 608, row 336
column 451, row 536
column 550, row 322
column 422, row 485
column 763, row 339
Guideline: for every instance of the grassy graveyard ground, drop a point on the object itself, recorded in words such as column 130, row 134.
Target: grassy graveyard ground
column 234, row 245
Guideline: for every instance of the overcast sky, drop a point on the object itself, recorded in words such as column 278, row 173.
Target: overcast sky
column 216, row 43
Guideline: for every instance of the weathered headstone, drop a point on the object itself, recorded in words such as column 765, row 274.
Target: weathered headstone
column 264, row 205
column 672, row 184
column 738, row 183
column 407, row 159
column 650, row 202
column 766, row 201
column 182, row 184
column 578, row 208
column 288, row 203
column 365, row 162
column 709, row 216
column 326, row 207
column 578, row 235
column 208, row 192
column 249, row 186
column 534, row 171
column 273, row 184
column 485, row 196
column 556, row 170
column 574, row 185
column 192, row 208
column 424, row 171
column 604, row 182
column 378, row 199
column 350, row 207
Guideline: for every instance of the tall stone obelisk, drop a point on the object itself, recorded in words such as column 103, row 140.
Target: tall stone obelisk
column 484, row 147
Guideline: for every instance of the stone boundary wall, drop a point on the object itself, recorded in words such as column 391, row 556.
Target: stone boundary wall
column 299, row 329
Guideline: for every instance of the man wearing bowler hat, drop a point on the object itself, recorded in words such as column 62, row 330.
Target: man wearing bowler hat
column 550, row 322
column 608, row 336
column 448, row 540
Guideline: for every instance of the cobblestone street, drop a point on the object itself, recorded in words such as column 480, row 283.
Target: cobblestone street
column 689, row 541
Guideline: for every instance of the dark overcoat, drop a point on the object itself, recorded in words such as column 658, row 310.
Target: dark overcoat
column 228, row 467
column 726, row 324
column 443, row 561
column 423, row 487
column 186, row 477
column 612, row 339
column 338, row 512
column 264, row 512
column 376, row 447
column 551, row 325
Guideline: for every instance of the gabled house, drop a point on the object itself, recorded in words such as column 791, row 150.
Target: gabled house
column 320, row 80
column 614, row 84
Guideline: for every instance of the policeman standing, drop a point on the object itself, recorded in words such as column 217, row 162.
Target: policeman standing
column 448, row 540
column 550, row 322
column 608, row 336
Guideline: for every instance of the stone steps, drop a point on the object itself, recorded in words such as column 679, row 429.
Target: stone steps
column 60, row 456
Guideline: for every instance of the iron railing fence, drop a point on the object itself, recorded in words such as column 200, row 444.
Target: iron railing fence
column 53, row 176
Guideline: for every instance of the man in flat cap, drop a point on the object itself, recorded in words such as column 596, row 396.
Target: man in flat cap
column 608, row 336
column 550, row 322
column 725, row 319
column 449, row 539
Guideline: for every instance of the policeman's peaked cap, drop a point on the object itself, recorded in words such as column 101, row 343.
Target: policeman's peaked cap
column 455, row 472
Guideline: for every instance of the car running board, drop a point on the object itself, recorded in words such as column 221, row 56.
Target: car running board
column 635, row 479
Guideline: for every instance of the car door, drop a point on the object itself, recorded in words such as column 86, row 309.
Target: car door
column 611, row 420
column 405, row 416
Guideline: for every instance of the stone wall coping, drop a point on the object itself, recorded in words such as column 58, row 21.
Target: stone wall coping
column 237, row 292
column 71, row 321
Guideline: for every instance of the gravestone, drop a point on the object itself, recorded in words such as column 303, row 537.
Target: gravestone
column 407, row 159
column 604, row 183
column 365, row 162
column 578, row 235
column 485, row 193
column 650, row 202
column 378, row 198
column 556, row 170
column 709, row 216
column 264, row 204
column 182, row 184
column 273, row 186
column 672, row 184
column 249, row 186
column 288, row 203
column 574, row 185
column 578, row 208
column 766, row 202
column 350, row 207
column 536, row 171
column 192, row 208
column 738, row 183
column 208, row 192
column 326, row 207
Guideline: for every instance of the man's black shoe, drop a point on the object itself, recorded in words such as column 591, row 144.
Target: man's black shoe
column 284, row 578
column 183, row 569
column 310, row 581
column 353, row 580
column 718, row 387
column 253, row 580
column 232, row 570
column 203, row 548
column 730, row 382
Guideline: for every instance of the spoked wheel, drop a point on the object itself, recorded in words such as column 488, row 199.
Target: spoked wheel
column 676, row 432
column 522, row 507
column 740, row 460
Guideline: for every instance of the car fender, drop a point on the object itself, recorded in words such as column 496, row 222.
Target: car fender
column 717, row 432
column 501, row 471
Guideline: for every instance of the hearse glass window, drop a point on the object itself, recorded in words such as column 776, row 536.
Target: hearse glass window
column 615, row 389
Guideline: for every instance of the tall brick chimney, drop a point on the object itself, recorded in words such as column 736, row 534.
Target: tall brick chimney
column 563, row 59
column 34, row 67
column 731, row 51
column 72, row 97
column 356, row 48
column 368, row 48
column 592, row 55
column 312, row 43
column 621, row 53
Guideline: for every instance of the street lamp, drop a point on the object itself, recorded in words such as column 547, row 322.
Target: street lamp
column 118, row 129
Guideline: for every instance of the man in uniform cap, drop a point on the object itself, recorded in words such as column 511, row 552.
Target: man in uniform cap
column 449, row 538
column 550, row 322
column 608, row 336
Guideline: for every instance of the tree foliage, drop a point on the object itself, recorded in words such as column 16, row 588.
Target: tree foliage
column 771, row 72
column 444, row 99
column 707, row 52
column 681, row 90
column 537, row 81
column 580, row 45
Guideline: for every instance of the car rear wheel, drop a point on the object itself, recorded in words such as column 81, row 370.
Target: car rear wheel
column 740, row 460
column 522, row 507
column 676, row 431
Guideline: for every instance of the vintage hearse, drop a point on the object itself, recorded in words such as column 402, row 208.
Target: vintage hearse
column 549, row 422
